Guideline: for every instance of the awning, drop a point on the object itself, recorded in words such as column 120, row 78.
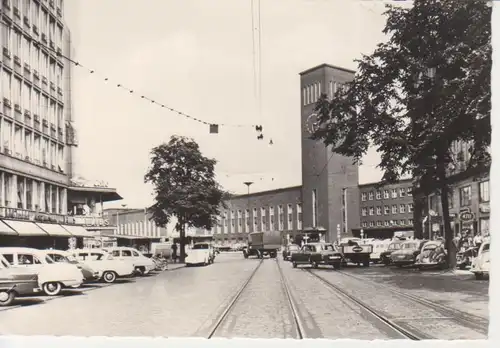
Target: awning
column 128, row 237
column 6, row 230
column 25, row 228
column 78, row 231
column 54, row 230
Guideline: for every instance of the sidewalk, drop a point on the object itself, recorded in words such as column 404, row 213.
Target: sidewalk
column 455, row 272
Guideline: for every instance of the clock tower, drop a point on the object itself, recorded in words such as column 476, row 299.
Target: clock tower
column 325, row 174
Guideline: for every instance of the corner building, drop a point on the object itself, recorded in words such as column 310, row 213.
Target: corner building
column 326, row 177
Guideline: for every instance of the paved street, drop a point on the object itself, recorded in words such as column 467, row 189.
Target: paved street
column 191, row 301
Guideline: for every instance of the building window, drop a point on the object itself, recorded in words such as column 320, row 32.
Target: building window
column 402, row 223
column 394, row 193
column 409, row 191
column 225, row 218
column 465, row 196
column 410, row 222
column 378, row 195
column 402, row 208
column 240, row 219
column 247, row 219
column 372, row 224
column 379, row 223
column 484, row 226
column 410, row 207
column 363, row 196
column 263, row 219
column 394, row 209
column 451, row 200
column 364, row 224
column 386, row 194
column 289, row 211
column 363, row 211
column 484, row 191
column 233, row 219
column 299, row 216
column 379, row 210
column 281, row 218
column 370, row 196
column 372, row 211
column 392, row 222
column 255, row 221
column 402, row 192
column 386, row 210
column 271, row 219
column 386, row 223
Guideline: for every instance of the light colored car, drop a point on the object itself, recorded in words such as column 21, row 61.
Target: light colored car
column 481, row 265
column 16, row 282
column 66, row 257
column 52, row 276
column 199, row 254
column 379, row 246
column 142, row 264
column 107, row 267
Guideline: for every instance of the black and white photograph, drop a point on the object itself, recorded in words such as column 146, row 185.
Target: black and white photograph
column 255, row 169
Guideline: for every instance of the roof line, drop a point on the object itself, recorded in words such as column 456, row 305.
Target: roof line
column 326, row 65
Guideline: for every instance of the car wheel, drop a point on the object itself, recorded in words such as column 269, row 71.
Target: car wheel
column 109, row 277
column 52, row 288
column 294, row 264
column 140, row 271
column 314, row 264
column 6, row 297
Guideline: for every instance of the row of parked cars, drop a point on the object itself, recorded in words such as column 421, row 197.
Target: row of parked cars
column 27, row 271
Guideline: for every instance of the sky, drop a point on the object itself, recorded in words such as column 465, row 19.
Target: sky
column 196, row 56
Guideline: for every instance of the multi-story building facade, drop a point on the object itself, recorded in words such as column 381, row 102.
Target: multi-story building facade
column 274, row 210
column 325, row 174
column 385, row 209
column 37, row 136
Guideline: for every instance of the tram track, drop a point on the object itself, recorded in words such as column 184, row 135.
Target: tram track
column 404, row 333
column 219, row 322
column 472, row 321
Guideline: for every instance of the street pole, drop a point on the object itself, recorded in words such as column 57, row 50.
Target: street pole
column 248, row 184
column 429, row 216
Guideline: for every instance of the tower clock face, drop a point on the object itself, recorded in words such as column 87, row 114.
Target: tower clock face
column 311, row 126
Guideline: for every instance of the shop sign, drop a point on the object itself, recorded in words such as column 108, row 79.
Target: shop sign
column 466, row 216
column 484, row 207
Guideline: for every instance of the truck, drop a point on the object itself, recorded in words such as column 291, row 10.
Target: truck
column 355, row 251
column 261, row 244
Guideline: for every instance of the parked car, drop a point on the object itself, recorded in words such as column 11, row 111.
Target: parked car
column 16, row 282
column 385, row 256
column 481, row 265
column 288, row 250
column 200, row 254
column 407, row 253
column 142, row 264
column 52, row 276
column 108, row 269
column 316, row 254
column 432, row 255
column 89, row 274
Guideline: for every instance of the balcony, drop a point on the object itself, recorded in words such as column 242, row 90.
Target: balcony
column 35, row 29
column 17, row 13
column 44, row 38
column 26, row 22
column 27, row 117
column 51, row 45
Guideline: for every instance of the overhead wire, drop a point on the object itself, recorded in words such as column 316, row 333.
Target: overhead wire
column 41, row 45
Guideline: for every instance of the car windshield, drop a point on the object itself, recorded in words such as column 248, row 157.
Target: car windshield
column 395, row 246
column 48, row 259
column 430, row 247
column 200, row 246
column 409, row 246
column 328, row 247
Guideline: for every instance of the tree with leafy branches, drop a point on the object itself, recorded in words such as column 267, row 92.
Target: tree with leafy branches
column 184, row 187
column 424, row 89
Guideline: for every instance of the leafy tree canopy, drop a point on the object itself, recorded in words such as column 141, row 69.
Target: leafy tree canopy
column 184, row 185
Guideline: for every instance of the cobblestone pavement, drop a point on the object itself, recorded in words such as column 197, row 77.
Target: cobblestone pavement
column 372, row 289
column 328, row 315
column 263, row 310
column 173, row 303
column 458, row 289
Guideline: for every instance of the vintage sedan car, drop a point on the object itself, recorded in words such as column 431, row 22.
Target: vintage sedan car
column 199, row 254
column 107, row 267
column 432, row 255
column 408, row 253
column 289, row 250
column 385, row 256
column 16, row 282
column 52, row 276
column 481, row 265
column 379, row 246
column 316, row 254
column 89, row 274
column 142, row 264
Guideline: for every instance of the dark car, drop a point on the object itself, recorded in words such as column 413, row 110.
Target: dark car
column 407, row 253
column 385, row 256
column 316, row 254
column 288, row 250
column 15, row 282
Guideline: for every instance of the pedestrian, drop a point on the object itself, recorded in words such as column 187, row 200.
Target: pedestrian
column 174, row 252
column 478, row 240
